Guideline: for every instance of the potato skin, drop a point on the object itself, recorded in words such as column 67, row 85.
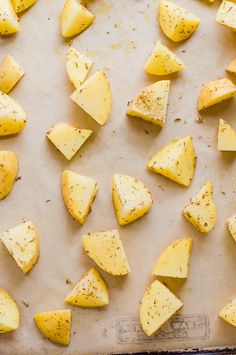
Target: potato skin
column 22, row 5
column 8, row 172
column 8, row 19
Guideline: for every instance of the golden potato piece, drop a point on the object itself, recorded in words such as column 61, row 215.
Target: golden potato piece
column 228, row 313
column 231, row 68
column 9, row 313
column 12, row 116
column 8, row 20
column 201, row 210
column 107, row 250
column 175, row 260
column 151, row 103
column 131, row 198
column 226, row 15
column 8, row 172
column 22, row 5
column 78, row 66
column 158, row 305
column 226, row 137
column 75, row 18
column 90, row 291
column 55, row 325
column 231, row 223
column 10, row 73
column 215, row 92
column 176, row 22
column 176, row 161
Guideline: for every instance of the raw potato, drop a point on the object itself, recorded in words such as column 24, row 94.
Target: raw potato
column 22, row 5
column 215, row 92
column 8, row 20
column 228, row 313
column 8, row 172
column 162, row 61
column 226, row 137
column 226, row 15
column 158, row 305
column 9, row 313
column 231, row 68
column 67, row 138
column 131, row 198
column 176, row 22
column 55, row 325
column 22, row 242
column 90, row 291
column 94, row 97
column 75, row 18
column 12, row 116
column 175, row 260
column 78, row 194
column 176, row 161
column 78, row 66
column 10, row 73
column 151, row 104
column 107, row 250
column 231, row 222
column 201, row 211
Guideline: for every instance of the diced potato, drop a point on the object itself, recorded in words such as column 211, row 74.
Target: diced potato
column 151, row 103
column 9, row 313
column 231, row 222
column 175, row 260
column 201, row 210
column 231, row 68
column 176, row 22
column 162, row 61
column 10, row 73
column 78, row 193
column 226, row 137
column 131, row 198
column 228, row 313
column 55, row 325
column 75, row 18
column 22, row 242
column 176, row 161
column 67, row 138
column 215, row 92
column 90, row 291
column 78, row 66
column 8, row 20
column 158, row 305
column 94, row 97
column 12, row 116
column 226, row 15
column 107, row 250
column 22, row 5
column 8, row 172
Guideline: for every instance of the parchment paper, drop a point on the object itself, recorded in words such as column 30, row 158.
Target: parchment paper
column 119, row 41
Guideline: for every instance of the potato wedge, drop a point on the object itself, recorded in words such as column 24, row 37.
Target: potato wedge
column 9, row 313
column 231, row 223
column 12, row 116
column 78, row 193
column 151, row 103
column 176, row 22
column 226, row 15
column 175, row 260
column 158, row 305
column 201, row 210
column 22, row 242
column 10, row 73
column 75, row 18
column 131, row 198
column 8, row 20
column 107, row 250
column 215, row 92
column 8, row 172
column 163, row 61
column 68, row 139
column 231, row 68
column 78, row 66
column 55, row 325
column 94, row 97
column 176, row 161
column 90, row 291
column 226, row 137
column 228, row 313
column 22, row 5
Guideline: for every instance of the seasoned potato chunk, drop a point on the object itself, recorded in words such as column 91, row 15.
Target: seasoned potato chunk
column 10, row 73
column 8, row 20
column 228, row 313
column 231, row 223
column 107, row 250
column 78, row 66
column 9, row 313
column 12, row 116
column 90, row 291
column 226, row 137
column 22, row 5
column 231, row 68
column 8, row 172
column 226, row 15
column 158, row 305
column 175, row 161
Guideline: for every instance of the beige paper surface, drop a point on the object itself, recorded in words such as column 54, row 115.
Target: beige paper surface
column 119, row 41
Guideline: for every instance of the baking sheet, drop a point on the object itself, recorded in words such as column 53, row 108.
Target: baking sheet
column 119, row 41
